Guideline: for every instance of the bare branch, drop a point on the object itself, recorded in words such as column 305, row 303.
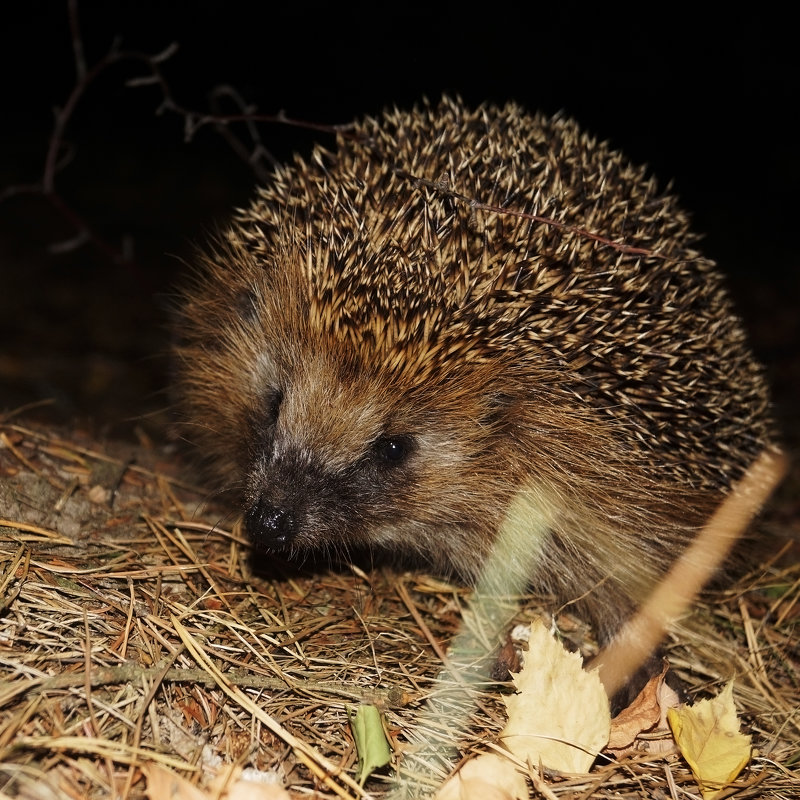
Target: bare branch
column 69, row 245
column 249, row 147
column 443, row 189
column 77, row 40
column 58, row 154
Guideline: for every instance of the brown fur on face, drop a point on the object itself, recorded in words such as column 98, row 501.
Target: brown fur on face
column 373, row 362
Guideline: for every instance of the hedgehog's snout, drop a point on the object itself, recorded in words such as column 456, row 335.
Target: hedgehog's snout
column 270, row 526
column 285, row 487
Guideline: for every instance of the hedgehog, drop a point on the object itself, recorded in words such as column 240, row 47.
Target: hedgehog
column 454, row 308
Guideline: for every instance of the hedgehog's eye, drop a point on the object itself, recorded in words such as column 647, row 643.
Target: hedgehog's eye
column 393, row 450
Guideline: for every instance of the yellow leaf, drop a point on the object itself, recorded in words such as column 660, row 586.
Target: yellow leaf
column 708, row 736
column 560, row 715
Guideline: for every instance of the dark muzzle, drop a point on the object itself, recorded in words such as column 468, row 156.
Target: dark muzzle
column 270, row 527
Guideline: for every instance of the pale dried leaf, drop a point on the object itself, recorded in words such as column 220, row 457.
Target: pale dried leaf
column 164, row 784
column 487, row 777
column 560, row 715
column 250, row 790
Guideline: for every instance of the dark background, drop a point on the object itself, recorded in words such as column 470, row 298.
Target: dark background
column 706, row 102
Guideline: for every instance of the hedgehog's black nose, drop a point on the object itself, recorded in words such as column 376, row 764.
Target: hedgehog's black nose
column 269, row 526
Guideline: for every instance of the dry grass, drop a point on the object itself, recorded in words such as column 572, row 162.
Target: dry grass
column 134, row 629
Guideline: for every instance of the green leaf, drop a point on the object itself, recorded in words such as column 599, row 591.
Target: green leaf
column 372, row 746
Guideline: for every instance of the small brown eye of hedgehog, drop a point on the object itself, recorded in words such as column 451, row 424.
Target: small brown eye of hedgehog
column 393, row 450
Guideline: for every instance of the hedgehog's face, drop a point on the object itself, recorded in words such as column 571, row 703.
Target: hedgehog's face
column 337, row 464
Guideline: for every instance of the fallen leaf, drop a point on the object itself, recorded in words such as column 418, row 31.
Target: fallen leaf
column 372, row 745
column 508, row 661
column 487, row 777
column 250, row 790
column 708, row 737
column 560, row 715
column 164, row 784
column 646, row 714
